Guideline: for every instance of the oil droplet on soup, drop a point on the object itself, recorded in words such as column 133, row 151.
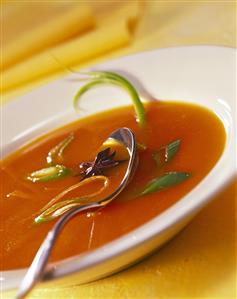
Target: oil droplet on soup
column 202, row 138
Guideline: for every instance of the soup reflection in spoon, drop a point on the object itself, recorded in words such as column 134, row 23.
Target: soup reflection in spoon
column 36, row 271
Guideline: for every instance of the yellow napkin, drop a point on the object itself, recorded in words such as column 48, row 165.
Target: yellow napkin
column 74, row 51
column 30, row 27
column 200, row 262
column 112, row 30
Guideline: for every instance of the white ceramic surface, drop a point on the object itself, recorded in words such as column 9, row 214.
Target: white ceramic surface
column 201, row 74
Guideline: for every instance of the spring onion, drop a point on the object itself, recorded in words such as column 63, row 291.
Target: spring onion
column 105, row 77
column 49, row 174
column 166, row 153
column 56, row 207
column 55, row 155
column 167, row 180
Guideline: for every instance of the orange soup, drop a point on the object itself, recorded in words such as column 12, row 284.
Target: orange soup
column 201, row 139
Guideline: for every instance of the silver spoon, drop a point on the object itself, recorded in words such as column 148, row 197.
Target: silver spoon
column 36, row 270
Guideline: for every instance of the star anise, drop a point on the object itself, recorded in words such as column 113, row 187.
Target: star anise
column 103, row 161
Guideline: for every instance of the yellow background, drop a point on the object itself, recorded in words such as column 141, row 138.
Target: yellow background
column 201, row 261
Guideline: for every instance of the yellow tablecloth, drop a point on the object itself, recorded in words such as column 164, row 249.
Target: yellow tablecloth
column 201, row 261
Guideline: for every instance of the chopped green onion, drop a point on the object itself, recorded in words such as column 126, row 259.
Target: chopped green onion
column 166, row 153
column 104, row 77
column 167, row 180
column 56, row 153
column 77, row 185
column 49, row 174
column 171, row 149
column 56, row 208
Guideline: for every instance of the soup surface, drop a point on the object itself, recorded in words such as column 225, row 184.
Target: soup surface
column 202, row 139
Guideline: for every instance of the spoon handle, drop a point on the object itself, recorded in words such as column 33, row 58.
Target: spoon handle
column 37, row 268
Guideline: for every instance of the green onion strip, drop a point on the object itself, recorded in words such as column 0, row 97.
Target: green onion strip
column 166, row 153
column 54, row 171
column 105, row 77
column 56, row 208
column 49, row 174
column 167, row 180
column 57, row 151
